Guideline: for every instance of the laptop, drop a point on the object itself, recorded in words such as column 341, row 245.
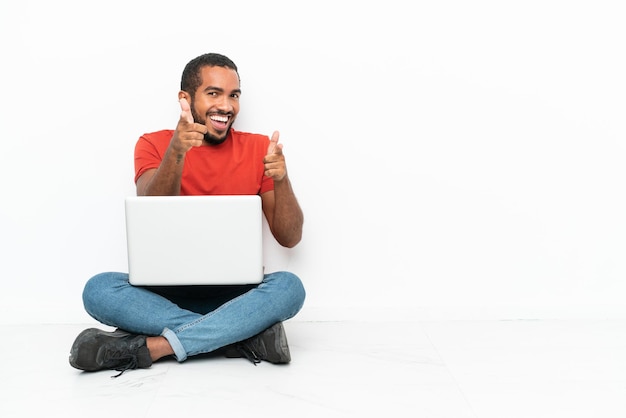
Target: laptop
column 194, row 240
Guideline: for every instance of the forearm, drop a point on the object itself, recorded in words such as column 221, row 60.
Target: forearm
column 288, row 217
column 166, row 179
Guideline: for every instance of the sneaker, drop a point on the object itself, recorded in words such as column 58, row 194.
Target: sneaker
column 95, row 349
column 270, row 345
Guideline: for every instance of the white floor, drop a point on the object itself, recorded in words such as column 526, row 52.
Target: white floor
column 452, row 369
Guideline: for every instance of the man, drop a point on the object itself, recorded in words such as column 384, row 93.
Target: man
column 204, row 155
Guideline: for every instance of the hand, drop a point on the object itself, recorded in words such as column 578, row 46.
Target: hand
column 274, row 161
column 188, row 134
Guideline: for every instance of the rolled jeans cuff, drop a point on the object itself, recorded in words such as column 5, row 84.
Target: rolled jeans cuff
column 179, row 351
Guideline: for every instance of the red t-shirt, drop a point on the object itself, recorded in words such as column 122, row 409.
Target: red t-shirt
column 233, row 167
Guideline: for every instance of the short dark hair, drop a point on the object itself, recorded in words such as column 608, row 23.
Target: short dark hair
column 191, row 79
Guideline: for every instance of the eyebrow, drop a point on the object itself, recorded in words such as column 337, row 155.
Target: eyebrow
column 221, row 90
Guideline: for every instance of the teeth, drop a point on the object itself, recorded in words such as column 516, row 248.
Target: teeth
column 220, row 118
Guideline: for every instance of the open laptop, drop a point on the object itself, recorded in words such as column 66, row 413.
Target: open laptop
column 194, row 240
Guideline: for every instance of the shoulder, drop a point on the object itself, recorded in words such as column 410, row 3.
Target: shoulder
column 151, row 141
column 158, row 136
column 252, row 142
column 248, row 140
column 249, row 136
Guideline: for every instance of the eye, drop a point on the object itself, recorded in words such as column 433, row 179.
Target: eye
column 235, row 95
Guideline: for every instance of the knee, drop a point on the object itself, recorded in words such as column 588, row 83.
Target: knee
column 297, row 288
column 99, row 286
column 292, row 288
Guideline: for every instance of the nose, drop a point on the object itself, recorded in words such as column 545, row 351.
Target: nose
column 224, row 103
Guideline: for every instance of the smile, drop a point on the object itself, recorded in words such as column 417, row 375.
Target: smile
column 219, row 118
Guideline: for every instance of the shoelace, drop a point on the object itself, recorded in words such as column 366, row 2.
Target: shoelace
column 120, row 361
column 249, row 353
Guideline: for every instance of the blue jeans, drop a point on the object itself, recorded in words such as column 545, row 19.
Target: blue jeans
column 194, row 319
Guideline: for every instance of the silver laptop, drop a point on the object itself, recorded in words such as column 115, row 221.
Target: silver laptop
column 194, row 240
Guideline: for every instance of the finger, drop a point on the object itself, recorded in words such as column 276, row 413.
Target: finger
column 273, row 142
column 185, row 113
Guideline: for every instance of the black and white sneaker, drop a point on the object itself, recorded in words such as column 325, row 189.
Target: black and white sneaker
column 95, row 349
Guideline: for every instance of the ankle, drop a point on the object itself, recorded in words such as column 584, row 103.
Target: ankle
column 158, row 347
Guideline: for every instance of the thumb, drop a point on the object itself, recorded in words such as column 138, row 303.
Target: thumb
column 273, row 142
column 185, row 114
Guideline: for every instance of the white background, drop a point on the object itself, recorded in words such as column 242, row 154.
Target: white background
column 455, row 159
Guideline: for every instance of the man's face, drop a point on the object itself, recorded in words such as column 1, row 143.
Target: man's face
column 216, row 102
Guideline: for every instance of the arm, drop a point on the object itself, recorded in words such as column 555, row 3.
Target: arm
column 280, row 206
column 165, row 180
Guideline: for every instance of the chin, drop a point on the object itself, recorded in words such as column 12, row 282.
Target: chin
column 214, row 140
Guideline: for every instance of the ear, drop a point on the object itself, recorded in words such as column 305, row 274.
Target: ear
column 184, row 95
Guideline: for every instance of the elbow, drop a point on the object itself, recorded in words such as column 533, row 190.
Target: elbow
column 288, row 234
column 291, row 239
column 290, row 243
